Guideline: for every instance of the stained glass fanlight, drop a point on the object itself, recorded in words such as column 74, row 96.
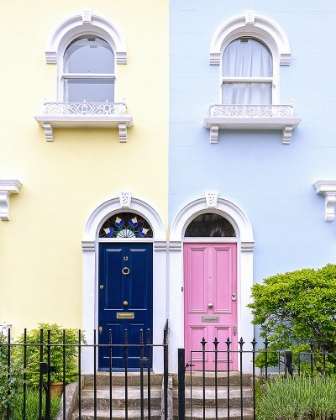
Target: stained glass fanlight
column 209, row 225
column 126, row 225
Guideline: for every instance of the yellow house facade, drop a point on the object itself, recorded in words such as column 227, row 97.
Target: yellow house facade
column 64, row 172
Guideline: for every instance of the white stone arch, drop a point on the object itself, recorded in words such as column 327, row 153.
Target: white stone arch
column 81, row 24
column 245, row 245
column 90, row 271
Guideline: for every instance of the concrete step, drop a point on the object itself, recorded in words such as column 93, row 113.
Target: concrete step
column 196, row 378
column 222, row 414
column 118, row 378
column 119, row 398
column 119, row 414
column 196, row 396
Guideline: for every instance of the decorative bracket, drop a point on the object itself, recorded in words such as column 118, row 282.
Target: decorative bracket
column 7, row 187
column 125, row 198
column 328, row 189
column 211, row 198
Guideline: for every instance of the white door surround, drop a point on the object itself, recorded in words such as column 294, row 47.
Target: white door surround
column 90, row 272
column 245, row 245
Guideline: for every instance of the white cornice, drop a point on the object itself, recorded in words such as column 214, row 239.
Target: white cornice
column 328, row 189
column 285, row 124
column 81, row 24
column 49, row 122
column 7, row 187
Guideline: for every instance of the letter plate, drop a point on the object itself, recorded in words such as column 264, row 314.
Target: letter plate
column 210, row 318
column 125, row 315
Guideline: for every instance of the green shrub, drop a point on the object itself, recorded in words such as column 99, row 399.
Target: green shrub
column 56, row 353
column 296, row 307
column 300, row 397
column 11, row 378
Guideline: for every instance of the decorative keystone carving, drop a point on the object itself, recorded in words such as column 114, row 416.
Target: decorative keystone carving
column 211, row 198
column 125, row 198
column 250, row 17
column 328, row 189
column 7, row 187
column 86, row 16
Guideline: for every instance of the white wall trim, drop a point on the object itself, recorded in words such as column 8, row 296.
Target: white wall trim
column 250, row 23
column 81, row 24
column 90, row 273
column 328, row 189
column 7, row 187
column 245, row 245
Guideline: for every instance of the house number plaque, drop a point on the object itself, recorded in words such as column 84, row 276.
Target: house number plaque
column 125, row 315
column 210, row 318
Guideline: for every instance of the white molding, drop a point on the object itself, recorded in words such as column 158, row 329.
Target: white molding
column 245, row 245
column 254, row 25
column 49, row 122
column 90, row 273
column 285, row 124
column 81, row 24
column 328, row 189
column 7, row 187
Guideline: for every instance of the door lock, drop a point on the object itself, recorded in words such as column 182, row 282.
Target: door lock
column 101, row 287
column 234, row 296
column 234, row 330
column 100, row 329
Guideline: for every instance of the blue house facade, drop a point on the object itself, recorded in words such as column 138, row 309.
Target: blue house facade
column 252, row 144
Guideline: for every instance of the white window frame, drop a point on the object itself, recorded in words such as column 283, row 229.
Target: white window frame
column 84, row 24
column 278, row 117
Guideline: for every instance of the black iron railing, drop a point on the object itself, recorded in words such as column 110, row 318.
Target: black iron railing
column 27, row 367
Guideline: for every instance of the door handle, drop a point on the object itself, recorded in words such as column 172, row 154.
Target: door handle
column 125, row 303
column 210, row 305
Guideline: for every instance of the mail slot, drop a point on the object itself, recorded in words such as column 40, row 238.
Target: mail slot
column 210, row 318
column 125, row 315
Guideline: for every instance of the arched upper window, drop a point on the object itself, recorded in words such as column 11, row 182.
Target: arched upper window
column 88, row 70
column 247, row 72
column 126, row 225
column 210, row 225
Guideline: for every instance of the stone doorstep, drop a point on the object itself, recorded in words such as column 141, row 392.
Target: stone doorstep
column 118, row 401
column 196, row 378
column 118, row 414
column 222, row 414
column 118, row 378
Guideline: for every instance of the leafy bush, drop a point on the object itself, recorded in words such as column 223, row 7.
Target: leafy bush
column 11, row 378
column 56, row 352
column 300, row 397
column 296, row 307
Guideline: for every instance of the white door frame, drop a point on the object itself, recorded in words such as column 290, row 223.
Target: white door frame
column 90, row 273
column 245, row 245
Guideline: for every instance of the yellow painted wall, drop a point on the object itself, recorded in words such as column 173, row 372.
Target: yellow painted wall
column 63, row 181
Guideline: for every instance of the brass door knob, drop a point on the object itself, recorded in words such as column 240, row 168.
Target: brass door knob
column 125, row 303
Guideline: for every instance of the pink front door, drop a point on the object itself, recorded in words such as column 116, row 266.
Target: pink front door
column 210, row 302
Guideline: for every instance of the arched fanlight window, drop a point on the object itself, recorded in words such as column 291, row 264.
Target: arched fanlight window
column 88, row 70
column 126, row 225
column 247, row 73
column 210, row 225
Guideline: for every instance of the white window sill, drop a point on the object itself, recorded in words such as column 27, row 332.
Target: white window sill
column 251, row 117
column 84, row 114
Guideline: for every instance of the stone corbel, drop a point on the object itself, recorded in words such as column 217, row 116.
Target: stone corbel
column 328, row 189
column 7, row 187
column 211, row 198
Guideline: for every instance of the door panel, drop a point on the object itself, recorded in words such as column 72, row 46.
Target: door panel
column 125, row 290
column 210, row 308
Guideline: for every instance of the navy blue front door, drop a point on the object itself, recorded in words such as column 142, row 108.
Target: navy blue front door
column 125, row 290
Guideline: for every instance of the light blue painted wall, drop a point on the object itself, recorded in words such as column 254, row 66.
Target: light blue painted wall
column 271, row 182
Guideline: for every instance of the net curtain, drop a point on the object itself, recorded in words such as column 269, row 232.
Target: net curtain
column 246, row 57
